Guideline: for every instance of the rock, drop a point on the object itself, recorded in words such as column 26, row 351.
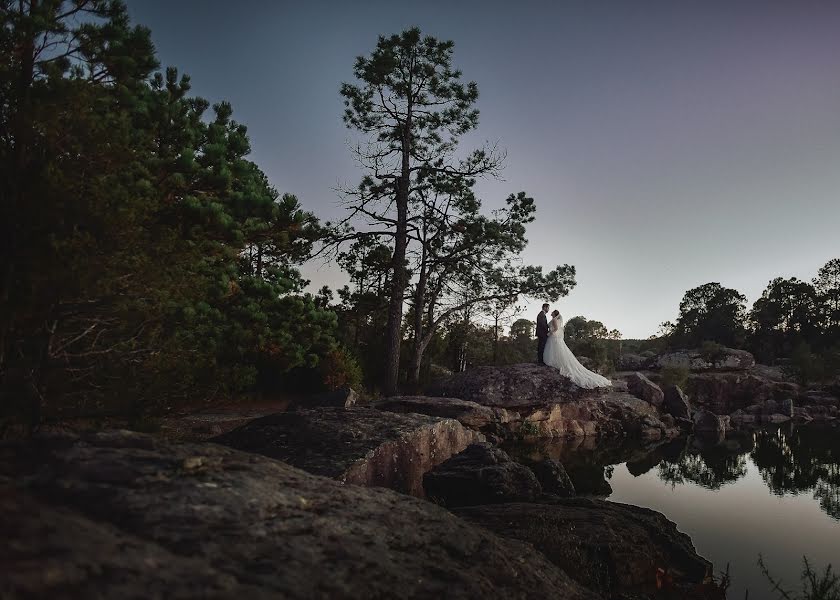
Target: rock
column 642, row 387
column 491, row 421
column 818, row 398
column 511, row 387
column 117, row 515
column 776, row 418
column 709, row 426
column 676, row 402
column 481, row 474
column 631, row 362
column 552, row 477
column 607, row 414
column 362, row 446
column 610, row 548
column 539, row 402
column 729, row 359
column 724, row 393
column 589, row 479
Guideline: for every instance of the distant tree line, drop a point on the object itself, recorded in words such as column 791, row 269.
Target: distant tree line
column 794, row 322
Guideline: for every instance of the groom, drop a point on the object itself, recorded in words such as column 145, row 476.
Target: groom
column 542, row 333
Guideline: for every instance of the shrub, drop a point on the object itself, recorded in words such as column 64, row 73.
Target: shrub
column 675, row 375
column 340, row 369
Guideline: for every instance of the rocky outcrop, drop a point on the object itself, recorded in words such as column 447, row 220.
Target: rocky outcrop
column 488, row 420
column 540, row 402
column 123, row 515
column 642, row 387
column 359, row 445
column 614, row 549
column 481, row 474
column 608, row 414
column 727, row 359
column 724, row 393
column 631, row 362
column 511, row 387
column 676, row 403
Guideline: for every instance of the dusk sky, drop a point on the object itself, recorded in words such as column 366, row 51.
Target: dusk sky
column 666, row 144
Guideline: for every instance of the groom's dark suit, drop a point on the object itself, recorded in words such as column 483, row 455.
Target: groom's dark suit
column 542, row 336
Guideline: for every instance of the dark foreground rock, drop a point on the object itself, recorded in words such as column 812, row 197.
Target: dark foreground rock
column 481, row 474
column 611, row 548
column 362, row 446
column 122, row 515
column 552, row 476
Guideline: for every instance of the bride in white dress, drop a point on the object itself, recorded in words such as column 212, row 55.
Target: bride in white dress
column 558, row 355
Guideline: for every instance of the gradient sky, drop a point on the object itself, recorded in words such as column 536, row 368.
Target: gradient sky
column 667, row 144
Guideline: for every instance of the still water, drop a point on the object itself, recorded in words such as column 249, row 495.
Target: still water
column 773, row 492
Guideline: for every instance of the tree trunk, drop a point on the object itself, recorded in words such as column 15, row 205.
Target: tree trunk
column 399, row 281
column 496, row 340
column 419, row 302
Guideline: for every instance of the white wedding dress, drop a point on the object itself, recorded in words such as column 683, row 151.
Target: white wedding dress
column 558, row 355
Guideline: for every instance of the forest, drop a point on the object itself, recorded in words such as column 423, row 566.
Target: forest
column 148, row 263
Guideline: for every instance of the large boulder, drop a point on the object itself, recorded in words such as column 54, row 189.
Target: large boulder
column 724, row 393
column 611, row 413
column 726, row 359
column 489, row 420
column 631, row 362
column 512, row 387
column 642, row 387
column 358, row 445
column 540, row 402
column 614, row 549
column 676, row 402
column 709, row 426
column 481, row 474
column 122, row 515
column 552, row 476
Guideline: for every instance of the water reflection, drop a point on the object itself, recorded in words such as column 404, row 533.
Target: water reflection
column 790, row 460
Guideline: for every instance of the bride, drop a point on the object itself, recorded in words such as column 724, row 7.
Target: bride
column 558, row 355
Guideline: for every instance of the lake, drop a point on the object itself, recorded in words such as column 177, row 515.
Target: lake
column 774, row 492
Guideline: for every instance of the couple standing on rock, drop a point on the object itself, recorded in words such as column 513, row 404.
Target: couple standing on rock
column 553, row 352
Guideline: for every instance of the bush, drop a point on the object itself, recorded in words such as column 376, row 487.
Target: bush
column 806, row 366
column 340, row 369
column 675, row 376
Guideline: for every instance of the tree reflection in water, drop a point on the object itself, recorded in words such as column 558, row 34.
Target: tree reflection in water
column 790, row 460
column 801, row 459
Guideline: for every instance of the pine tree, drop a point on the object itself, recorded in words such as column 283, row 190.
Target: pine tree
column 413, row 107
